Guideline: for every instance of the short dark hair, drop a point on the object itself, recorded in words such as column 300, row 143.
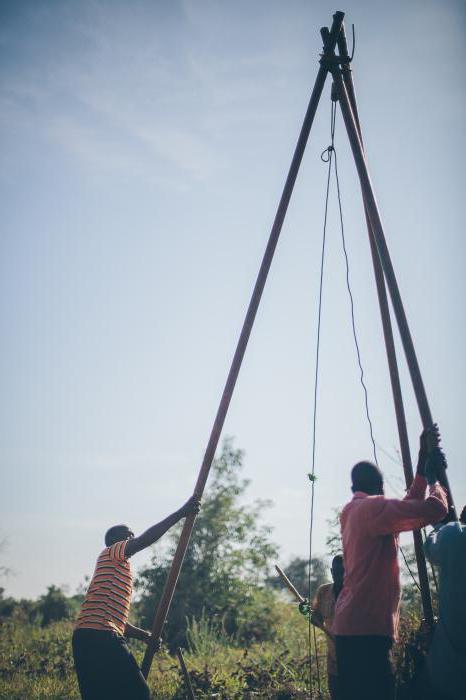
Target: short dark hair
column 366, row 477
column 338, row 558
column 116, row 533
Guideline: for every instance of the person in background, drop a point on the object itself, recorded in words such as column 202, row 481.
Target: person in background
column 445, row 547
column 323, row 608
column 367, row 609
column 105, row 667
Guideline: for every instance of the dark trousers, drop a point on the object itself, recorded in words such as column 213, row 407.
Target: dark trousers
column 365, row 668
column 106, row 668
column 334, row 687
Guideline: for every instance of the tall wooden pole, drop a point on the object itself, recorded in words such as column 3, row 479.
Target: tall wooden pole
column 377, row 230
column 169, row 588
column 391, row 353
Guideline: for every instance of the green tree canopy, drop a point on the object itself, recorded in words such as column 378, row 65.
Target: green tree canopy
column 54, row 606
column 226, row 565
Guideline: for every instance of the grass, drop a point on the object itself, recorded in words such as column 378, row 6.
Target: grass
column 36, row 663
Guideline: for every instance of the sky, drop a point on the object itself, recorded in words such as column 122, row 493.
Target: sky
column 144, row 148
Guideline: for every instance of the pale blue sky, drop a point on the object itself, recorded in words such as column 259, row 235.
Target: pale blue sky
column 144, row 149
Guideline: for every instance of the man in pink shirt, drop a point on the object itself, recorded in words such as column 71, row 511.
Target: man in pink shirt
column 367, row 609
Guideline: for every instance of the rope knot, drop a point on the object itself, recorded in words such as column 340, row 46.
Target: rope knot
column 325, row 155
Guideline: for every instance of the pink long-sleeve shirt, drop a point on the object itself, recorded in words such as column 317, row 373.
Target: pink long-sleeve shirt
column 369, row 601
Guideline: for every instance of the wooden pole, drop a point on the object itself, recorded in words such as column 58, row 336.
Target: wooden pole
column 185, row 673
column 391, row 353
column 385, row 260
column 169, row 588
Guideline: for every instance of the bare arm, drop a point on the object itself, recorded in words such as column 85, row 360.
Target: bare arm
column 157, row 531
column 317, row 618
column 136, row 633
column 415, row 511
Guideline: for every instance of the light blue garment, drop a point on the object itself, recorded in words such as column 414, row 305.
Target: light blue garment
column 446, row 548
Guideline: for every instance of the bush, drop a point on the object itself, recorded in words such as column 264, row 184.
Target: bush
column 225, row 567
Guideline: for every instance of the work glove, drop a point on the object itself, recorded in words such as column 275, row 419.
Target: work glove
column 435, row 465
column 191, row 507
column 429, row 440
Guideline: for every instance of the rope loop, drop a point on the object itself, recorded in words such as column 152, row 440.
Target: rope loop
column 326, row 154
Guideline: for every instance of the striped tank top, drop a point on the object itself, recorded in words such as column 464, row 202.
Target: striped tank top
column 107, row 601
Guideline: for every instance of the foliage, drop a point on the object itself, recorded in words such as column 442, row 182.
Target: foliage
column 53, row 606
column 36, row 662
column 333, row 540
column 4, row 570
column 411, row 596
column 7, row 605
column 205, row 637
column 226, row 564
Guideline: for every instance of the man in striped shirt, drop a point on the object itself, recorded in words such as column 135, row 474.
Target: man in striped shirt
column 105, row 667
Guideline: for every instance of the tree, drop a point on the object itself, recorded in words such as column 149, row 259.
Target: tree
column 333, row 540
column 54, row 606
column 4, row 570
column 410, row 593
column 7, row 605
column 226, row 563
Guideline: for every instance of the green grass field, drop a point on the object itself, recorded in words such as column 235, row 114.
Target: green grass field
column 36, row 663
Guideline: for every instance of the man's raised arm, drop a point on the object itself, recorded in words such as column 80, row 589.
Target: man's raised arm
column 428, row 446
column 154, row 533
column 411, row 514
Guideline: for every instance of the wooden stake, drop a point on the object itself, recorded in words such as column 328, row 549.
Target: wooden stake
column 185, row 673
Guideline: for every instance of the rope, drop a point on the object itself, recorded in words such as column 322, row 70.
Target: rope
column 329, row 156
column 356, row 343
column 353, row 320
column 329, row 150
